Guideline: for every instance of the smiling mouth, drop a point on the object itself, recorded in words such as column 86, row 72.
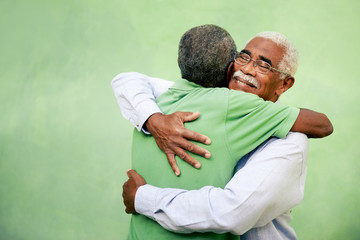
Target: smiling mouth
column 245, row 79
column 240, row 80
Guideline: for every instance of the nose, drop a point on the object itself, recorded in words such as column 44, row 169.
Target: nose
column 249, row 68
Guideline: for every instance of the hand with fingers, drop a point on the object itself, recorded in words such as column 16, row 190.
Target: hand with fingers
column 172, row 137
column 129, row 190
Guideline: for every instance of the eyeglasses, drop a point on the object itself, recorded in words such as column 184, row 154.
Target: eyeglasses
column 259, row 65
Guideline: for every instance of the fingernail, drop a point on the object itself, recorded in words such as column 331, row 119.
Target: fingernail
column 197, row 165
column 177, row 173
column 207, row 155
column 208, row 141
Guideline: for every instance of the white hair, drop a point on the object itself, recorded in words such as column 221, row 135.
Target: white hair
column 289, row 62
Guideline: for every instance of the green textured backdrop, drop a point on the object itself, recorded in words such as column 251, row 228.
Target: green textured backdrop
column 64, row 147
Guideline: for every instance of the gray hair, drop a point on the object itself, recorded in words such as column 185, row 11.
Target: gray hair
column 289, row 62
column 205, row 53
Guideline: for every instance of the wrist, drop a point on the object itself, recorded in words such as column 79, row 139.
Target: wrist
column 148, row 125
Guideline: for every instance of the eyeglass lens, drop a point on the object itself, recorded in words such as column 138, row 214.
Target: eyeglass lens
column 260, row 65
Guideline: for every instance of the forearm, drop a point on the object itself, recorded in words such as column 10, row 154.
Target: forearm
column 136, row 94
column 180, row 210
column 209, row 209
column 266, row 187
column 313, row 124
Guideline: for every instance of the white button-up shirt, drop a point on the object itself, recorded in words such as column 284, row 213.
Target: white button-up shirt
column 136, row 93
column 256, row 202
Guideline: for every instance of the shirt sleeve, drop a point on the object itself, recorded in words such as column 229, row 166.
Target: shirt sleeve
column 271, row 182
column 135, row 94
column 250, row 121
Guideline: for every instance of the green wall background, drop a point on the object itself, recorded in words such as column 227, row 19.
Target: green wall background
column 64, row 147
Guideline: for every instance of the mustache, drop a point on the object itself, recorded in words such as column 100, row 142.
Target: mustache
column 246, row 78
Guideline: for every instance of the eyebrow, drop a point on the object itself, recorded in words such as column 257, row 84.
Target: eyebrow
column 265, row 59
column 246, row 51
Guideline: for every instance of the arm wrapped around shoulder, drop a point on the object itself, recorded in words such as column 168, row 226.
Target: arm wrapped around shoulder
column 313, row 124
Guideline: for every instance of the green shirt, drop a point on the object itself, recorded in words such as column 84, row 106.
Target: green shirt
column 236, row 122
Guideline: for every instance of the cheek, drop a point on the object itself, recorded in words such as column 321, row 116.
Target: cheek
column 268, row 91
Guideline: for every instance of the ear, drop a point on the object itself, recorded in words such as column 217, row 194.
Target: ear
column 284, row 85
column 229, row 72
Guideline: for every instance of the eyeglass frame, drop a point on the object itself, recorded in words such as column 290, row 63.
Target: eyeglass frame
column 255, row 64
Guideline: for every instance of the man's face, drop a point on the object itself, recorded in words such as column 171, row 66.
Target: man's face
column 245, row 78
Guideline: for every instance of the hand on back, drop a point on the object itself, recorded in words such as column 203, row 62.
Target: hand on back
column 173, row 138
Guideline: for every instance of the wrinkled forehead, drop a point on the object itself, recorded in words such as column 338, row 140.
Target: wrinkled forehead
column 259, row 48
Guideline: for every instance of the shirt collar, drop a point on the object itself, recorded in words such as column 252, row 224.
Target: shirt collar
column 184, row 84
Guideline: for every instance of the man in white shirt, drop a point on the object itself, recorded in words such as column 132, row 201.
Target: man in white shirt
column 269, row 181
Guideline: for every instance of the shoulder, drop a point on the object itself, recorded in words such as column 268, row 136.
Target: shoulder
column 209, row 96
column 243, row 103
column 235, row 94
column 294, row 142
column 297, row 139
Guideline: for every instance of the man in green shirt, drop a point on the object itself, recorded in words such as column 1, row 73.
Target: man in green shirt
column 236, row 122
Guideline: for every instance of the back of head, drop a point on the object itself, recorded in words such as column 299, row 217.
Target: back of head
column 204, row 55
column 289, row 62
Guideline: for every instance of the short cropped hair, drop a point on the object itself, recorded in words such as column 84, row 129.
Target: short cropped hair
column 205, row 53
column 290, row 60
